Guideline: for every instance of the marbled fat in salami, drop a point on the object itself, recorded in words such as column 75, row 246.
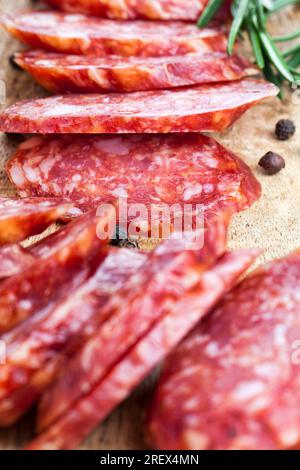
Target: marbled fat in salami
column 132, row 9
column 150, row 170
column 21, row 218
column 181, row 313
column 14, row 259
column 38, row 348
column 233, row 384
column 211, row 107
column 80, row 34
column 60, row 73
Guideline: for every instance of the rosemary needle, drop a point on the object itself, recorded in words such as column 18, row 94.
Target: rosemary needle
column 289, row 37
column 209, row 12
column 237, row 22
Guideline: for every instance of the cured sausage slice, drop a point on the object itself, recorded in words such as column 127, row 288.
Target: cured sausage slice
column 78, row 421
column 79, row 34
column 233, row 384
column 69, row 260
column 34, row 349
column 150, row 170
column 37, row 349
column 14, row 259
column 139, row 304
column 212, row 107
column 61, row 73
column 132, row 9
column 21, row 218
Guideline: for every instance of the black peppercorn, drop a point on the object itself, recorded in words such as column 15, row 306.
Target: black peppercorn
column 272, row 163
column 284, row 129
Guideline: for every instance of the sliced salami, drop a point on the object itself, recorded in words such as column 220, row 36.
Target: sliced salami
column 131, row 312
column 155, row 171
column 79, row 34
column 178, row 318
column 233, row 384
column 38, row 348
column 70, row 259
column 211, row 107
column 133, row 9
column 21, row 218
column 14, row 259
column 61, row 73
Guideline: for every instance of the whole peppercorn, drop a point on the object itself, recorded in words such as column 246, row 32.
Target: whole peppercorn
column 272, row 163
column 284, row 129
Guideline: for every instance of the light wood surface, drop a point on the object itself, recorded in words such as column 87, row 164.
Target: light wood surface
column 273, row 223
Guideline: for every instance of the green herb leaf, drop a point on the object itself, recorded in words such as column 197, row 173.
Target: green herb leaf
column 209, row 12
column 279, row 4
column 256, row 45
column 289, row 37
column 294, row 62
column 261, row 17
column 272, row 76
column 275, row 56
column 291, row 51
column 251, row 16
column 267, row 4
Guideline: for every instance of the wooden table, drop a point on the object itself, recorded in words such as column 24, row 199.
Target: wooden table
column 273, row 223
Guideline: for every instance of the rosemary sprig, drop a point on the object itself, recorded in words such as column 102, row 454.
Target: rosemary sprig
column 212, row 8
column 250, row 17
column 275, row 57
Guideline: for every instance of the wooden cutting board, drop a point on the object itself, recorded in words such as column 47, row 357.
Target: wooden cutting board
column 273, row 223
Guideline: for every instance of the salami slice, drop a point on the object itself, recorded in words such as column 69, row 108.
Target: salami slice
column 69, row 260
column 61, row 73
column 142, row 301
column 79, row 34
column 37, row 349
column 233, row 384
column 151, row 170
column 211, row 107
column 79, row 420
column 21, row 218
column 133, row 9
column 14, row 259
